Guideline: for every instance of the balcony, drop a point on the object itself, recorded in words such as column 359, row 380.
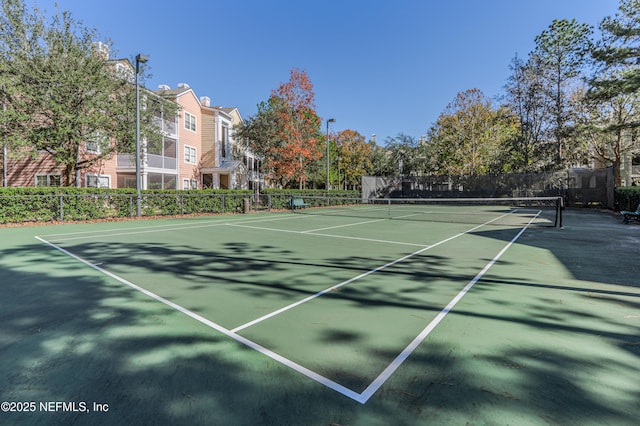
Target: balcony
column 160, row 162
column 168, row 127
column 128, row 161
column 635, row 170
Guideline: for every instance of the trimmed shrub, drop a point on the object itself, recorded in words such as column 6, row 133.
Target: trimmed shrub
column 627, row 197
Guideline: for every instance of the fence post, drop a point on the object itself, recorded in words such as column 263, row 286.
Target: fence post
column 61, row 209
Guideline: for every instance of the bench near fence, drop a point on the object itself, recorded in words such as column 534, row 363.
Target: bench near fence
column 627, row 215
column 297, row 203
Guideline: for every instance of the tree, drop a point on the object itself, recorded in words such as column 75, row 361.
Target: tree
column 61, row 93
column 299, row 126
column 617, row 53
column 401, row 154
column 611, row 113
column 525, row 97
column 380, row 161
column 470, row 137
column 562, row 49
column 355, row 157
column 609, row 127
column 286, row 131
column 259, row 133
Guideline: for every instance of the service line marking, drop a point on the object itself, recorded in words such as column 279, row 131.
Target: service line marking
column 163, row 228
column 365, row 274
column 289, row 231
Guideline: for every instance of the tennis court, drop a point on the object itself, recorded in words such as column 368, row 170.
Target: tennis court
column 357, row 314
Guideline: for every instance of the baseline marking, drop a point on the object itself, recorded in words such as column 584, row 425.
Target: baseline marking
column 253, row 345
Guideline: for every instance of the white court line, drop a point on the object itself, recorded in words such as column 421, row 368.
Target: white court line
column 341, row 226
column 160, row 228
column 119, row 229
column 253, row 345
column 372, row 271
column 363, row 397
column 395, row 364
column 289, row 231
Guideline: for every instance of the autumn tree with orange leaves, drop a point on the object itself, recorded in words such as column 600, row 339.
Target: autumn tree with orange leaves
column 286, row 131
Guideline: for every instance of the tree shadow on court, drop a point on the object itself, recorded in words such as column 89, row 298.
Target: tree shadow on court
column 71, row 334
column 262, row 270
column 592, row 246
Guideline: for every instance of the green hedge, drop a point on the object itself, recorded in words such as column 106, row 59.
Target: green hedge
column 627, row 197
column 33, row 204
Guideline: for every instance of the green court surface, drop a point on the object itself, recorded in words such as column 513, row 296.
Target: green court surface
column 282, row 318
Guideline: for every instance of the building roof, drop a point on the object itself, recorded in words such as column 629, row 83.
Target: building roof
column 172, row 92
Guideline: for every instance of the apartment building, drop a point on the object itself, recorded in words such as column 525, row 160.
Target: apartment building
column 630, row 170
column 197, row 150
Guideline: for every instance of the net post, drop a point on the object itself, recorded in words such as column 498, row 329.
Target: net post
column 559, row 208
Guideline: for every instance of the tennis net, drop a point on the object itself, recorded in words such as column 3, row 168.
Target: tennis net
column 541, row 211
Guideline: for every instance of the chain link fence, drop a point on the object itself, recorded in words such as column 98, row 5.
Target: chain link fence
column 578, row 187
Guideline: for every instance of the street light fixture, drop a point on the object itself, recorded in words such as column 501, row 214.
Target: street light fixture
column 331, row 120
column 140, row 59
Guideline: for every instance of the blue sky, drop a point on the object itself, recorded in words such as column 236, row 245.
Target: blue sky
column 378, row 67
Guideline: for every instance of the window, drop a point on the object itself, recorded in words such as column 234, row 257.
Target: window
column 189, row 121
column 125, row 72
column 95, row 144
column 190, row 154
column 189, row 183
column 98, row 181
column 224, row 141
column 48, row 180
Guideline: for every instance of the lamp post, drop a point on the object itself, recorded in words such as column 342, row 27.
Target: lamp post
column 140, row 59
column 331, row 120
column 339, row 182
column 4, row 141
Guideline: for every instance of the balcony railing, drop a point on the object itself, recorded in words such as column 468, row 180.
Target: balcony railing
column 635, row 170
column 155, row 161
column 160, row 162
column 125, row 160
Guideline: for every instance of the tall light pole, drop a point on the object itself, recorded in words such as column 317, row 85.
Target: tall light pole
column 140, row 59
column 4, row 140
column 331, row 120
